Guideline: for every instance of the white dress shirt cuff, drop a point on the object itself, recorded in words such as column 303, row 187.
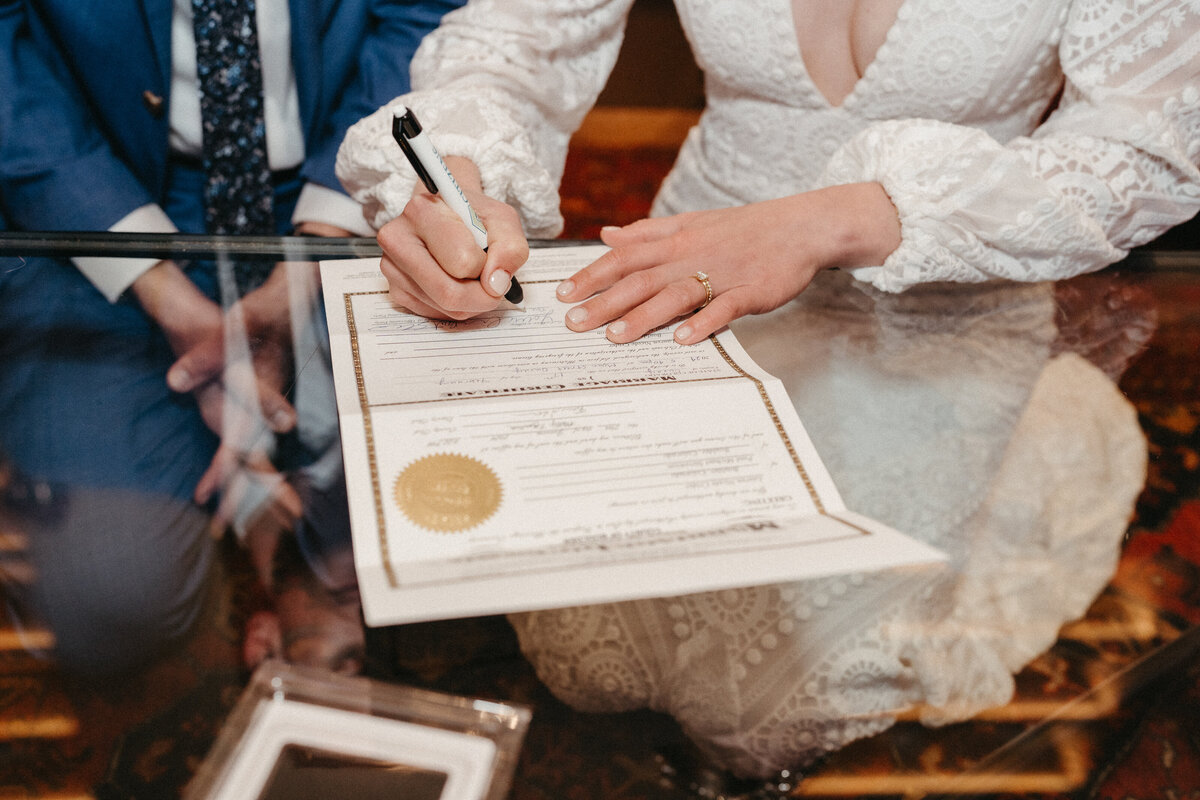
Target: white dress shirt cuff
column 112, row 276
column 319, row 203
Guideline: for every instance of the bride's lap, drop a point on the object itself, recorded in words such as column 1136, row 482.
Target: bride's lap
column 772, row 677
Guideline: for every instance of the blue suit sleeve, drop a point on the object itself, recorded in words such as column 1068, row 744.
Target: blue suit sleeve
column 379, row 74
column 57, row 171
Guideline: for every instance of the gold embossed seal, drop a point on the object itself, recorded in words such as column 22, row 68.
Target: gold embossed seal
column 447, row 492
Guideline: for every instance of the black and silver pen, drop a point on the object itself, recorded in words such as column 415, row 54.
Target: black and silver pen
column 434, row 173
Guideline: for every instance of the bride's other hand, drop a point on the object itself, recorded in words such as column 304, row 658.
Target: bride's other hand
column 755, row 258
column 431, row 261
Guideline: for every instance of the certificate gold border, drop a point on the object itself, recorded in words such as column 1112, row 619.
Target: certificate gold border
column 376, row 483
column 369, row 434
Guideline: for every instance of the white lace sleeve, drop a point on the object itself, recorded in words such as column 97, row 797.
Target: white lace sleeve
column 504, row 83
column 1113, row 167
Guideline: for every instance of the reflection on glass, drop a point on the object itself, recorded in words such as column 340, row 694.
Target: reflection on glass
column 307, row 773
column 935, row 410
column 948, row 413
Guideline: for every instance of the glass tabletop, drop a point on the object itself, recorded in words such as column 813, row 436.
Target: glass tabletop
column 158, row 540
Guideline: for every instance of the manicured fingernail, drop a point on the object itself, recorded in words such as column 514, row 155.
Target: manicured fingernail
column 499, row 281
column 281, row 419
column 565, row 288
column 577, row 314
column 610, row 228
column 617, row 328
column 178, row 380
column 683, row 333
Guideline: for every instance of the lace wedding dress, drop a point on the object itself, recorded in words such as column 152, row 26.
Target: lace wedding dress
column 948, row 411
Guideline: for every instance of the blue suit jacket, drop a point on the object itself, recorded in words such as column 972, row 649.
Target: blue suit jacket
column 84, row 92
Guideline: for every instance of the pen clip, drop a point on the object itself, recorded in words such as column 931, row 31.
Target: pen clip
column 400, row 125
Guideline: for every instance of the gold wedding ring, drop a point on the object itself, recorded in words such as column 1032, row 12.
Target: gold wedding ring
column 703, row 278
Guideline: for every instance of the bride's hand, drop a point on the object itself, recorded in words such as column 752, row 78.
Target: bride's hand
column 754, row 258
column 431, row 261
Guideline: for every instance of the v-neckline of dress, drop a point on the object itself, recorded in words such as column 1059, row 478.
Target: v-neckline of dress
column 863, row 80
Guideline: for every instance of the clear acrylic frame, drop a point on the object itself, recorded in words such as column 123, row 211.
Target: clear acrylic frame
column 300, row 733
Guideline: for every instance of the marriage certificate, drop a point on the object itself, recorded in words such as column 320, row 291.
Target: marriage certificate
column 506, row 463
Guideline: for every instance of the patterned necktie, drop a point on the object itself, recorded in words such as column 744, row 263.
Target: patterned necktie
column 238, row 195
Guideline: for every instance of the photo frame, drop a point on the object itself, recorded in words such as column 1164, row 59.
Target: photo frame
column 298, row 733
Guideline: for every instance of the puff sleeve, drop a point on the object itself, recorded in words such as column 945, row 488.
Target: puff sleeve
column 1113, row 167
column 513, row 81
